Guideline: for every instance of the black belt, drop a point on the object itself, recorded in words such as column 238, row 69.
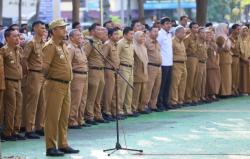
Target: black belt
column 107, row 68
column 154, row 64
column 38, row 71
column 191, row 56
column 96, row 68
column 10, row 79
column 235, row 55
column 58, row 80
column 126, row 65
column 202, row 61
column 80, row 72
column 179, row 61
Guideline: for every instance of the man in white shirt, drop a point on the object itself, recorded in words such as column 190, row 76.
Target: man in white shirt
column 165, row 40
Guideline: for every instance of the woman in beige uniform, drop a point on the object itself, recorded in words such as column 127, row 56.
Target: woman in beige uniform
column 244, row 46
column 139, row 100
column 213, row 67
column 224, row 45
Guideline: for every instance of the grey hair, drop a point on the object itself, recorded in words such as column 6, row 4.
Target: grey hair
column 72, row 32
column 178, row 29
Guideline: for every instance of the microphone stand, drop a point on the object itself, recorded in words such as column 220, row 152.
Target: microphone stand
column 116, row 72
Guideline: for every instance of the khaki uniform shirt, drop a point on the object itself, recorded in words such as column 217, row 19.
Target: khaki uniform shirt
column 179, row 50
column 2, row 80
column 110, row 50
column 191, row 45
column 78, row 58
column 213, row 61
column 12, row 62
column 235, row 46
column 224, row 52
column 126, row 52
column 139, row 74
column 153, row 50
column 94, row 58
column 33, row 54
column 56, row 61
column 202, row 51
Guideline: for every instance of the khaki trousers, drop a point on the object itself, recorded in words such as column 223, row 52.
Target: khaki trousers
column 1, row 109
column 178, row 83
column 226, row 79
column 57, row 97
column 12, row 107
column 153, row 86
column 95, row 90
column 24, row 91
column 139, row 100
column 109, row 92
column 235, row 75
column 200, row 82
column 79, row 91
column 244, row 77
column 192, row 64
column 125, row 93
column 35, row 106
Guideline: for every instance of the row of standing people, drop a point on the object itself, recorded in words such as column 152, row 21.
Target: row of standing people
column 184, row 70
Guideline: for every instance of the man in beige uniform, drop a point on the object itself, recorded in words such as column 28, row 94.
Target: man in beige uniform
column 110, row 49
column 95, row 76
column 126, row 55
column 154, row 68
column 34, row 108
column 191, row 45
column 79, row 84
column 13, row 95
column 236, row 59
column 201, row 74
column 2, row 88
column 179, row 72
column 58, row 72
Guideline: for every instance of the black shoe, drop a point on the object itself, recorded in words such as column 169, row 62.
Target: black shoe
column 54, row 152
column 19, row 137
column 101, row 121
column 176, row 106
column 86, row 125
column 167, row 107
column 185, row 104
column 108, row 117
column 133, row 115
column 156, row 110
column 194, row 104
column 31, row 135
column 120, row 117
column 148, row 110
column 75, row 127
column 22, row 129
column 144, row 112
column 69, row 150
column 91, row 122
column 8, row 138
column 162, row 108
column 40, row 132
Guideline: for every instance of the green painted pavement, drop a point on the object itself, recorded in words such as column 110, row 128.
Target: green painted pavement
column 219, row 130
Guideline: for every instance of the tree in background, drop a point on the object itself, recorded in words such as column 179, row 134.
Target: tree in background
column 226, row 10
column 201, row 12
column 75, row 12
column 141, row 10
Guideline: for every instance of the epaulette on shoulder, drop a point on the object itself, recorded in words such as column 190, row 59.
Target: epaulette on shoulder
column 5, row 47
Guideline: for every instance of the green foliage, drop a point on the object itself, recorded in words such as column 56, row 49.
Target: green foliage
column 224, row 10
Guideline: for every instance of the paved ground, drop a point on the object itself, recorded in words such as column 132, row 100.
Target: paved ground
column 220, row 130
